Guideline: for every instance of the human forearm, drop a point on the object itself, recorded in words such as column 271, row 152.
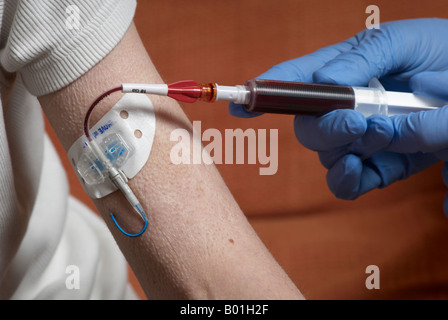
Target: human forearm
column 199, row 244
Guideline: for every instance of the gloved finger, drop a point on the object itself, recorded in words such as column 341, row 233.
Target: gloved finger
column 344, row 178
column 388, row 50
column 378, row 135
column 237, row 110
column 334, row 129
column 394, row 49
column 424, row 131
column 431, row 84
column 299, row 70
column 373, row 57
column 351, row 177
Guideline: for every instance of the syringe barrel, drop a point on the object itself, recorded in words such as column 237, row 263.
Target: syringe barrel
column 269, row 96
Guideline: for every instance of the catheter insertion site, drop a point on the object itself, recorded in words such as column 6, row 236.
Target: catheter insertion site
column 116, row 176
column 283, row 97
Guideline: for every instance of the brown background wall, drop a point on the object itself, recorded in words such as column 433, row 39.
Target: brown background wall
column 323, row 243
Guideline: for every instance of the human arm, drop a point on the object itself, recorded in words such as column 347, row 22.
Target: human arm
column 199, row 243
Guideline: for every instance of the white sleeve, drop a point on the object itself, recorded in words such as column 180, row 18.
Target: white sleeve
column 51, row 43
column 42, row 229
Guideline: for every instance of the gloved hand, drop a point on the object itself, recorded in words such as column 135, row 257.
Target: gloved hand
column 362, row 154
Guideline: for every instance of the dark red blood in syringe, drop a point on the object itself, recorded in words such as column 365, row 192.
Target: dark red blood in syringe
column 268, row 96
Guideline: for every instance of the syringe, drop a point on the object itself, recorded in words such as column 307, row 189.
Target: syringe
column 270, row 96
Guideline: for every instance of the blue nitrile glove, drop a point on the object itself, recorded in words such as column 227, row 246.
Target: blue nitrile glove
column 362, row 154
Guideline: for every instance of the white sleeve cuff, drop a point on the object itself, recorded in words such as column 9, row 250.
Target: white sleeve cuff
column 49, row 61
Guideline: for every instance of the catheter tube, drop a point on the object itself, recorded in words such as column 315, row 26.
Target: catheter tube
column 92, row 107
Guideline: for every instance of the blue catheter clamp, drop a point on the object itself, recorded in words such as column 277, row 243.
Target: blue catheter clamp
column 132, row 234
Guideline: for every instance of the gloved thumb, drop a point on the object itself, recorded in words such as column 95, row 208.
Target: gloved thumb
column 371, row 57
column 424, row 131
column 433, row 84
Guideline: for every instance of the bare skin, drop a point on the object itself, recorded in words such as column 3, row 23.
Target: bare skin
column 199, row 244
